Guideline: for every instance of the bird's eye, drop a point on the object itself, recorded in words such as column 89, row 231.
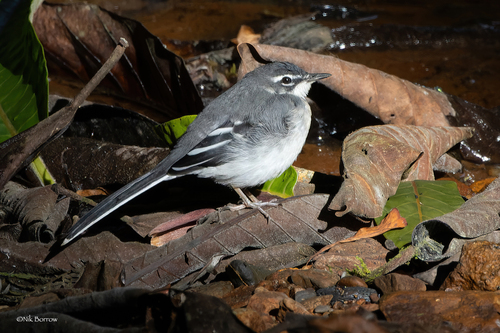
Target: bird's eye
column 286, row 80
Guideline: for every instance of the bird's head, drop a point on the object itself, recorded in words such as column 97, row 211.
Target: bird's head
column 284, row 78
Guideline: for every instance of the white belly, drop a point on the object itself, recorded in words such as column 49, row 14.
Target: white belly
column 262, row 161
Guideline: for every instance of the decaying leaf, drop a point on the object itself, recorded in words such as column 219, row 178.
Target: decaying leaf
column 106, row 163
column 36, row 209
column 77, row 38
column 444, row 236
column 295, row 220
column 377, row 158
column 393, row 100
column 176, row 227
column 392, row 221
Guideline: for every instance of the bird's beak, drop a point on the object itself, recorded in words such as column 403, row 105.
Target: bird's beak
column 318, row 76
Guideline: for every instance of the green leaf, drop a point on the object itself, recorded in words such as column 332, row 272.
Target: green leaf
column 24, row 88
column 418, row 201
column 282, row 185
column 172, row 130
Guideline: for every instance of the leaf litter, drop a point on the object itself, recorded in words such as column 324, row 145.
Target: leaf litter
column 127, row 268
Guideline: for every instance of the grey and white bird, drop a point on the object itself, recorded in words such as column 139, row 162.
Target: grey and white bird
column 249, row 134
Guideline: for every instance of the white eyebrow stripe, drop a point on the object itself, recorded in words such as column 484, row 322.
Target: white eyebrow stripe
column 204, row 149
column 278, row 78
column 190, row 166
column 221, row 130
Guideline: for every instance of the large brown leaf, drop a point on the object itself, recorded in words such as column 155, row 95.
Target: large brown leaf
column 295, row 220
column 77, row 38
column 393, row 100
column 377, row 158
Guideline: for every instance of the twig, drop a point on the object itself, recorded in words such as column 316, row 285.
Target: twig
column 101, row 73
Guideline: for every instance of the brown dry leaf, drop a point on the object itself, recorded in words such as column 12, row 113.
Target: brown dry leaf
column 377, row 158
column 295, row 220
column 92, row 192
column 246, row 35
column 393, row 100
column 36, row 210
column 476, row 218
column 176, row 227
column 393, row 220
column 77, row 38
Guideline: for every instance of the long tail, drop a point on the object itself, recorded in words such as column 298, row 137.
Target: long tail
column 117, row 199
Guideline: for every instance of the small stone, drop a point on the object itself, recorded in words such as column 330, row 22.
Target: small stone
column 398, row 282
column 479, row 268
column 322, row 309
column 352, row 281
column 266, row 301
column 216, row 289
column 312, row 303
column 305, row 294
column 251, row 319
column 314, row 278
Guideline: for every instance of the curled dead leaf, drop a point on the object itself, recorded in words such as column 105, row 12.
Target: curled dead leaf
column 393, row 100
column 377, row 158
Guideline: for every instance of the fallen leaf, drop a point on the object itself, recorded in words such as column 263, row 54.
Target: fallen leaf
column 36, row 209
column 393, row 220
column 377, row 158
column 295, row 220
column 418, row 201
column 246, row 35
column 18, row 151
column 444, row 236
column 393, row 100
column 77, row 38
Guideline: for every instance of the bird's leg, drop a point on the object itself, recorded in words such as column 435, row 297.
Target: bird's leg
column 249, row 200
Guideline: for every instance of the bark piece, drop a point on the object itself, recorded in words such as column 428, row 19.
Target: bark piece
column 466, row 311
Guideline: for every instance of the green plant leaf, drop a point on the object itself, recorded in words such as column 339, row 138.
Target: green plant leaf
column 24, row 88
column 282, row 185
column 172, row 130
column 418, row 201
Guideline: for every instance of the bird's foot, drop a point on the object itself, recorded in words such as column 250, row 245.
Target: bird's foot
column 249, row 201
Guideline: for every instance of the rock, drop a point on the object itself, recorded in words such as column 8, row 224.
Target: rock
column 251, row 319
column 239, row 297
column 216, row 289
column 344, row 323
column 346, row 294
column 398, row 282
column 314, row 278
column 352, row 281
column 465, row 311
column 266, row 301
column 346, row 255
column 479, row 268
column 322, row 309
column 312, row 303
column 305, row 294
column 288, row 305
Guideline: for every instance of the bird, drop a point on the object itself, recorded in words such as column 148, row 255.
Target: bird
column 247, row 135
